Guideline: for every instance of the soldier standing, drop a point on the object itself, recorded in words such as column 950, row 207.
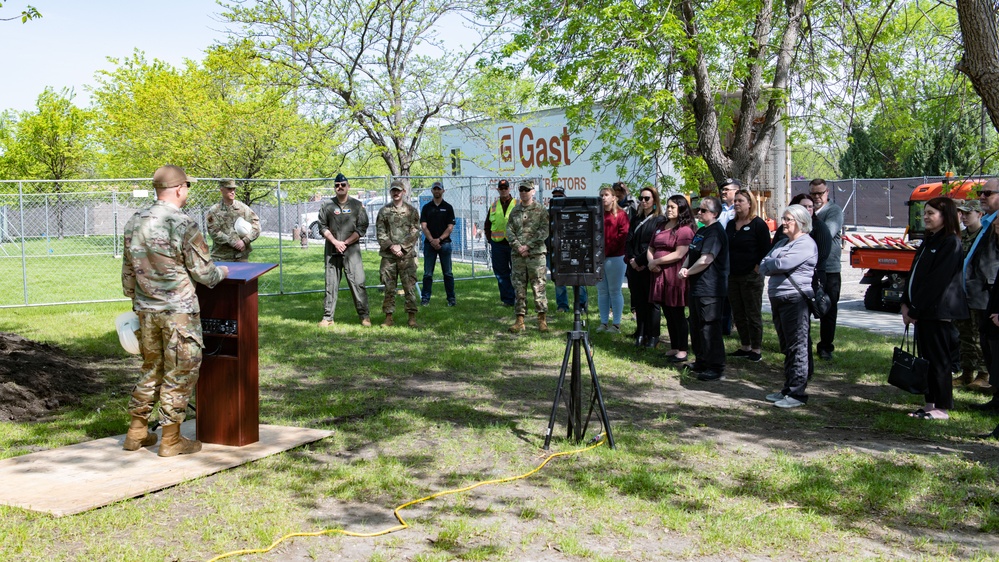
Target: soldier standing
column 164, row 255
column 342, row 222
column 398, row 227
column 527, row 231
column 227, row 243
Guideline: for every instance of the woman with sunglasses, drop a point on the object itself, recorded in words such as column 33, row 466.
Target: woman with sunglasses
column 706, row 271
column 667, row 250
column 791, row 265
column 643, row 226
column 748, row 242
column 609, row 295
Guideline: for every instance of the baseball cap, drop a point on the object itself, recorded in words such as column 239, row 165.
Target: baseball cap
column 970, row 205
column 526, row 185
column 396, row 185
column 437, row 185
column 503, row 184
column 558, row 192
column 170, row 176
column 227, row 184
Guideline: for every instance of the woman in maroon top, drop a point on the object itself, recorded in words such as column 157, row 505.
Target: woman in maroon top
column 609, row 295
column 666, row 253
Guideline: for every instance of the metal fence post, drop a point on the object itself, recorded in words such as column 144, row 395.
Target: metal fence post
column 114, row 221
column 24, row 259
column 48, row 236
column 280, row 241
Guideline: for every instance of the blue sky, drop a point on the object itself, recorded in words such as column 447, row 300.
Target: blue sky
column 73, row 39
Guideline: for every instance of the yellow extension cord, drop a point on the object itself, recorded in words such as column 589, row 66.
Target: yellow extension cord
column 402, row 522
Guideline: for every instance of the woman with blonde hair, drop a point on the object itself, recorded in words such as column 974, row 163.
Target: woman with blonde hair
column 748, row 243
column 609, row 295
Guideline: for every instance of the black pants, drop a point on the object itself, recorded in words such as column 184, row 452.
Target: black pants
column 987, row 341
column 706, row 332
column 676, row 326
column 793, row 326
column 647, row 314
column 827, row 326
column 936, row 340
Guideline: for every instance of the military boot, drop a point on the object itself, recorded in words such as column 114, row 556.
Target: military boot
column 542, row 322
column 518, row 326
column 173, row 444
column 138, row 435
column 388, row 321
column 980, row 384
column 412, row 319
column 966, row 377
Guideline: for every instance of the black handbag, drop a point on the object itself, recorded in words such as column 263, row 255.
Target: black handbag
column 908, row 372
column 818, row 305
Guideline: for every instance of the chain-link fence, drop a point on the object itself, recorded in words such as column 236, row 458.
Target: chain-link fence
column 61, row 242
column 872, row 202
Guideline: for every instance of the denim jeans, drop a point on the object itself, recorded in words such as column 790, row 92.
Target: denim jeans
column 609, row 295
column 502, row 268
column 430, row 256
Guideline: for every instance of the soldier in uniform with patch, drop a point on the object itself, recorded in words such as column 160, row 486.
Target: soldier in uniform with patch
column 227, row 244
column 527, row 231
column 164, row 255
column 342, row 222
column 398, row 227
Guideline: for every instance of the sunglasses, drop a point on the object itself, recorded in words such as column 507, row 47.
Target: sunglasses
column 503, row 188
column 817, row 193
column 703, row 210
column 525, row 189
column 340, row 184
column 646, row 198
column 987, row 193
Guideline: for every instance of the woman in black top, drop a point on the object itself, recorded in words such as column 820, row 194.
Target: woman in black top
column 748, row 243
column 643, row 226
column 933, row 298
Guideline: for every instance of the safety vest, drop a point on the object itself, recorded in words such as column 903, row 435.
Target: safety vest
column 497, row 219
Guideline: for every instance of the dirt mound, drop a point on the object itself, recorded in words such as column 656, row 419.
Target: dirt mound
column 37, row 377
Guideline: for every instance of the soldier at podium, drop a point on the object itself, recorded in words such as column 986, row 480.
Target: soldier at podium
column 232, row 226
column 164, row 255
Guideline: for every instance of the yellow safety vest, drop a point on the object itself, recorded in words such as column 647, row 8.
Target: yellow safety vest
column 497, row 219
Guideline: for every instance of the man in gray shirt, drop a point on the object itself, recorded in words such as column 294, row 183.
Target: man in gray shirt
column 342, row 222
column 832, row 215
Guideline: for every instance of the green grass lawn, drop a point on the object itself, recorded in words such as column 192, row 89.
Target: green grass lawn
column 701, row 470
column 81, row 269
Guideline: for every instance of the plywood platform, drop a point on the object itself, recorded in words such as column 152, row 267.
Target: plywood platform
column 81, row 477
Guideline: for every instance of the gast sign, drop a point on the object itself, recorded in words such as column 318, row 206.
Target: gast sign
column 540, row 144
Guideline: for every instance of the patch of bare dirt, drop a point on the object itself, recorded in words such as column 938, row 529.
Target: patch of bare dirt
column 36, row 378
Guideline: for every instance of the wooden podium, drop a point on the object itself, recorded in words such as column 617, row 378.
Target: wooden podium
column 228, row 392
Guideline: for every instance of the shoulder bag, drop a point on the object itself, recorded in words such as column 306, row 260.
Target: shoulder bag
column 820, row 304
column 908, row 372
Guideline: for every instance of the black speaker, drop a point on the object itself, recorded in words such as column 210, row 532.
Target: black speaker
column 577, row 252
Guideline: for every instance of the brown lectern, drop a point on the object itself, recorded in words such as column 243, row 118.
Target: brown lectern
column 228, row 395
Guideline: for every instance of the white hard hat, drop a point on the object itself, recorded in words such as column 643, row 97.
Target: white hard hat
column 127, row 323
column 243, row 227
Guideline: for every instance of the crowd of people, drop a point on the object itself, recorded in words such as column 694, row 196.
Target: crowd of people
column 695, row 268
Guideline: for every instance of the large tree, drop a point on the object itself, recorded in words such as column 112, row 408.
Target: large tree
column 381, row 66
column 980, row 62
column 715, row 75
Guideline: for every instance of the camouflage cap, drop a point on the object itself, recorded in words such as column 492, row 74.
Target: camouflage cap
column 396, row 185
column 529, row 184
column 227, row 184
column 170, row 176
column 970, row 205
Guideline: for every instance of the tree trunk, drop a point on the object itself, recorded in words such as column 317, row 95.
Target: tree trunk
column 981, row 51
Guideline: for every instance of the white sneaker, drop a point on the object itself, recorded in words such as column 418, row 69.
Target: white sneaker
column 775, row 397
column 613, row 329
column 602, row 328
column 789, row 402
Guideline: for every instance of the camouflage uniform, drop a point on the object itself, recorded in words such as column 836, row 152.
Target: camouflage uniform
column 398, row 225
column 221, row 220
column 971, row 351
column 528, row 226
column 164, row 254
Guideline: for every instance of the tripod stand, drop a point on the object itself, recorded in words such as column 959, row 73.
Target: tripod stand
column 576, row 339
